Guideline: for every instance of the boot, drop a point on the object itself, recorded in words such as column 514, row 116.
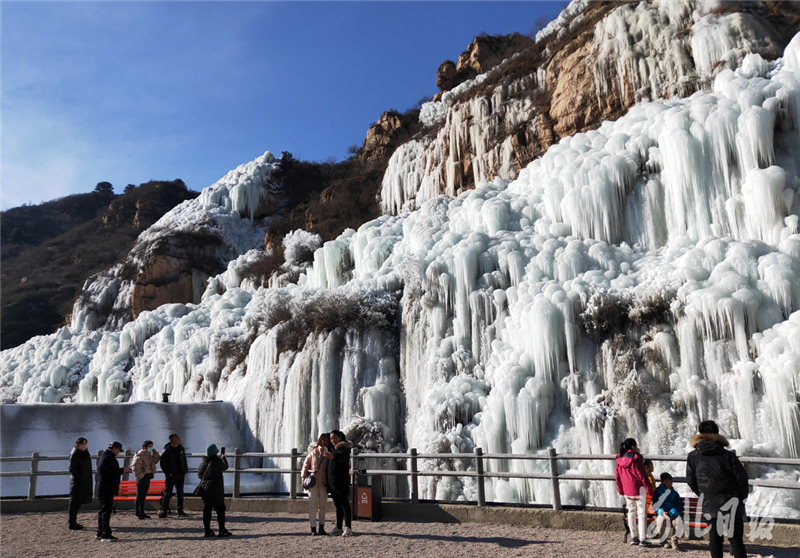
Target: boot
column 673, row 543
column 322, row 530
column 162, row 514
column 225, row 533
column 209, row 533
column 313, row 531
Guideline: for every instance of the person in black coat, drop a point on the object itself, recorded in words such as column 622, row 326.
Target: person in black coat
column 80, row 482
column 173, row 464
column 718, row 477
column 212, row 489
column 338, row 479
column 108, row 476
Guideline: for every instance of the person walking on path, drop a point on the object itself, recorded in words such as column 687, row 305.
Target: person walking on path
column 80, row 482
column 108, row 476
column 719, row 478
column 212, row 489
column 338, row 479
column 144, row 469
column 632, row 483
column 173, row 463
column 316, row 465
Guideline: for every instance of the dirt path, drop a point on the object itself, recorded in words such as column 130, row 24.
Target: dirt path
column 286, row 535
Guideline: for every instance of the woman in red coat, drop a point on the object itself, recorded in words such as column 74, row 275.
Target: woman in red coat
column 632, row 483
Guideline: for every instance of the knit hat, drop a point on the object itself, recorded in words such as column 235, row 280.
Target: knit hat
column 211, row 450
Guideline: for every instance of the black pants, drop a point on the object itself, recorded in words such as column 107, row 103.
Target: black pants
column 75, row 502
column 220, row 509
column 104, row 515
column 142, row 486
column 715, row 539
column 175, row 481
column 341, row 499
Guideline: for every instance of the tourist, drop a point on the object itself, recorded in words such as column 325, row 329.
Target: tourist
column 212, row 489
column 173, row 463
column 632, row 484
column 718, row 477
column 670, row 509
column 144, row 469
column 80, row 482
column 648, row 469
column 315, row 465
column 108, row 476
column 338, row 479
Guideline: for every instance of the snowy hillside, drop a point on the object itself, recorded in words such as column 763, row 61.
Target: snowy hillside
column 633, row 281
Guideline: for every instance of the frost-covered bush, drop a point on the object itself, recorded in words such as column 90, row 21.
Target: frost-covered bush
column 299, row 247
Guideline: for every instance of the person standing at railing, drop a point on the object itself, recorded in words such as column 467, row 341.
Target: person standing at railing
column 632, row 483
column 80, row 482
column 212, row 489
column 108, row 476
column 144, row 469
column 719, row 478
column 315, row 465
column 173, row 463
column 338, row 478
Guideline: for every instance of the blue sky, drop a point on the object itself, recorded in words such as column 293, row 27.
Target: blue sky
column 127, row 92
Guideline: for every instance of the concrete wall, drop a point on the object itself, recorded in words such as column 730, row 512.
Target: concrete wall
column 52, row 430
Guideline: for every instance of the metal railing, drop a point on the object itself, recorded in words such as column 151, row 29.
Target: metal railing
column 478, row 471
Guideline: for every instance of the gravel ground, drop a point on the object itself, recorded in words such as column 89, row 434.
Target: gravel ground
column 285, row 535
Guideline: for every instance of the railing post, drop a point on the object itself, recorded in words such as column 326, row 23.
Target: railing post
column 412, row 467
column 237, row 465
column 554, row 478
column 293, row 474
column 480, row 478
column 34, row 475
column 126, row 462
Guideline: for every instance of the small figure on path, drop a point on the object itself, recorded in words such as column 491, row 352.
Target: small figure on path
column 174, row 466
column 718, row 477
column 315, row 465
column 108, row 476
column 338, row 479
column 212, row 489
column 80, row 482
column 144, row 469
column 632, row 483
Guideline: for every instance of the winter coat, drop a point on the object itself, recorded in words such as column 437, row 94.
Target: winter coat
column 212, row 487
column 144, row 463
column 173, row 461
column 672, row 504
column 80, row 469
column 108, row 474
column 631, row 476
column 338, row 474
column 716, row 473
column 316, row 464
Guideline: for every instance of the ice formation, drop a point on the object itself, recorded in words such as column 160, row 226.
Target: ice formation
column 633, row 281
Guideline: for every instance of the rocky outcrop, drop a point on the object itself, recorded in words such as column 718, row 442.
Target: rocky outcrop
column 484, row 53
column 593, row 67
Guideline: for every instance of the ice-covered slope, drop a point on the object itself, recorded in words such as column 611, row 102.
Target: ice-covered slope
column 634, row 280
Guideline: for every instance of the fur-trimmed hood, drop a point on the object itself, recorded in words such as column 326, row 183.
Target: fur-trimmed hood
column 716, row 439
column 344, row 444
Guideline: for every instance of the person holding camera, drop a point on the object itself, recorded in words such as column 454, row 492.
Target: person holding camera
column 314, row 482
column 212, row 489
column 143, row 467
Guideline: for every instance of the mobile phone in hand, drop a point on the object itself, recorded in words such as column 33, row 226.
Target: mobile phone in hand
column 222, row 451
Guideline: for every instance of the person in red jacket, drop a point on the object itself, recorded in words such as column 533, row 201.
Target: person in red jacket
column 632, row 483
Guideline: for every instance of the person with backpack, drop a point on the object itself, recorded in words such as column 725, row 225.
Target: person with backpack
column 632, row 483
column 212, row 489
column 143, row 467
column 173, row 463
column 719, row 478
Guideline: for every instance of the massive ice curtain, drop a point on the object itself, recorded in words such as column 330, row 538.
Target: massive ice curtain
column 633, row 281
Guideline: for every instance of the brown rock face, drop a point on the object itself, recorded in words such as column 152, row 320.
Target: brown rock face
column 446, row 75
column 384, row 136
column 598, row 65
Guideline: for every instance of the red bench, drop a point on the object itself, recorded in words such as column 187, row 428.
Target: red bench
column 692, row 512
column 127, row 490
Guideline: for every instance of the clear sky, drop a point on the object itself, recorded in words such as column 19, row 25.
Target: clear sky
column 127, row 92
